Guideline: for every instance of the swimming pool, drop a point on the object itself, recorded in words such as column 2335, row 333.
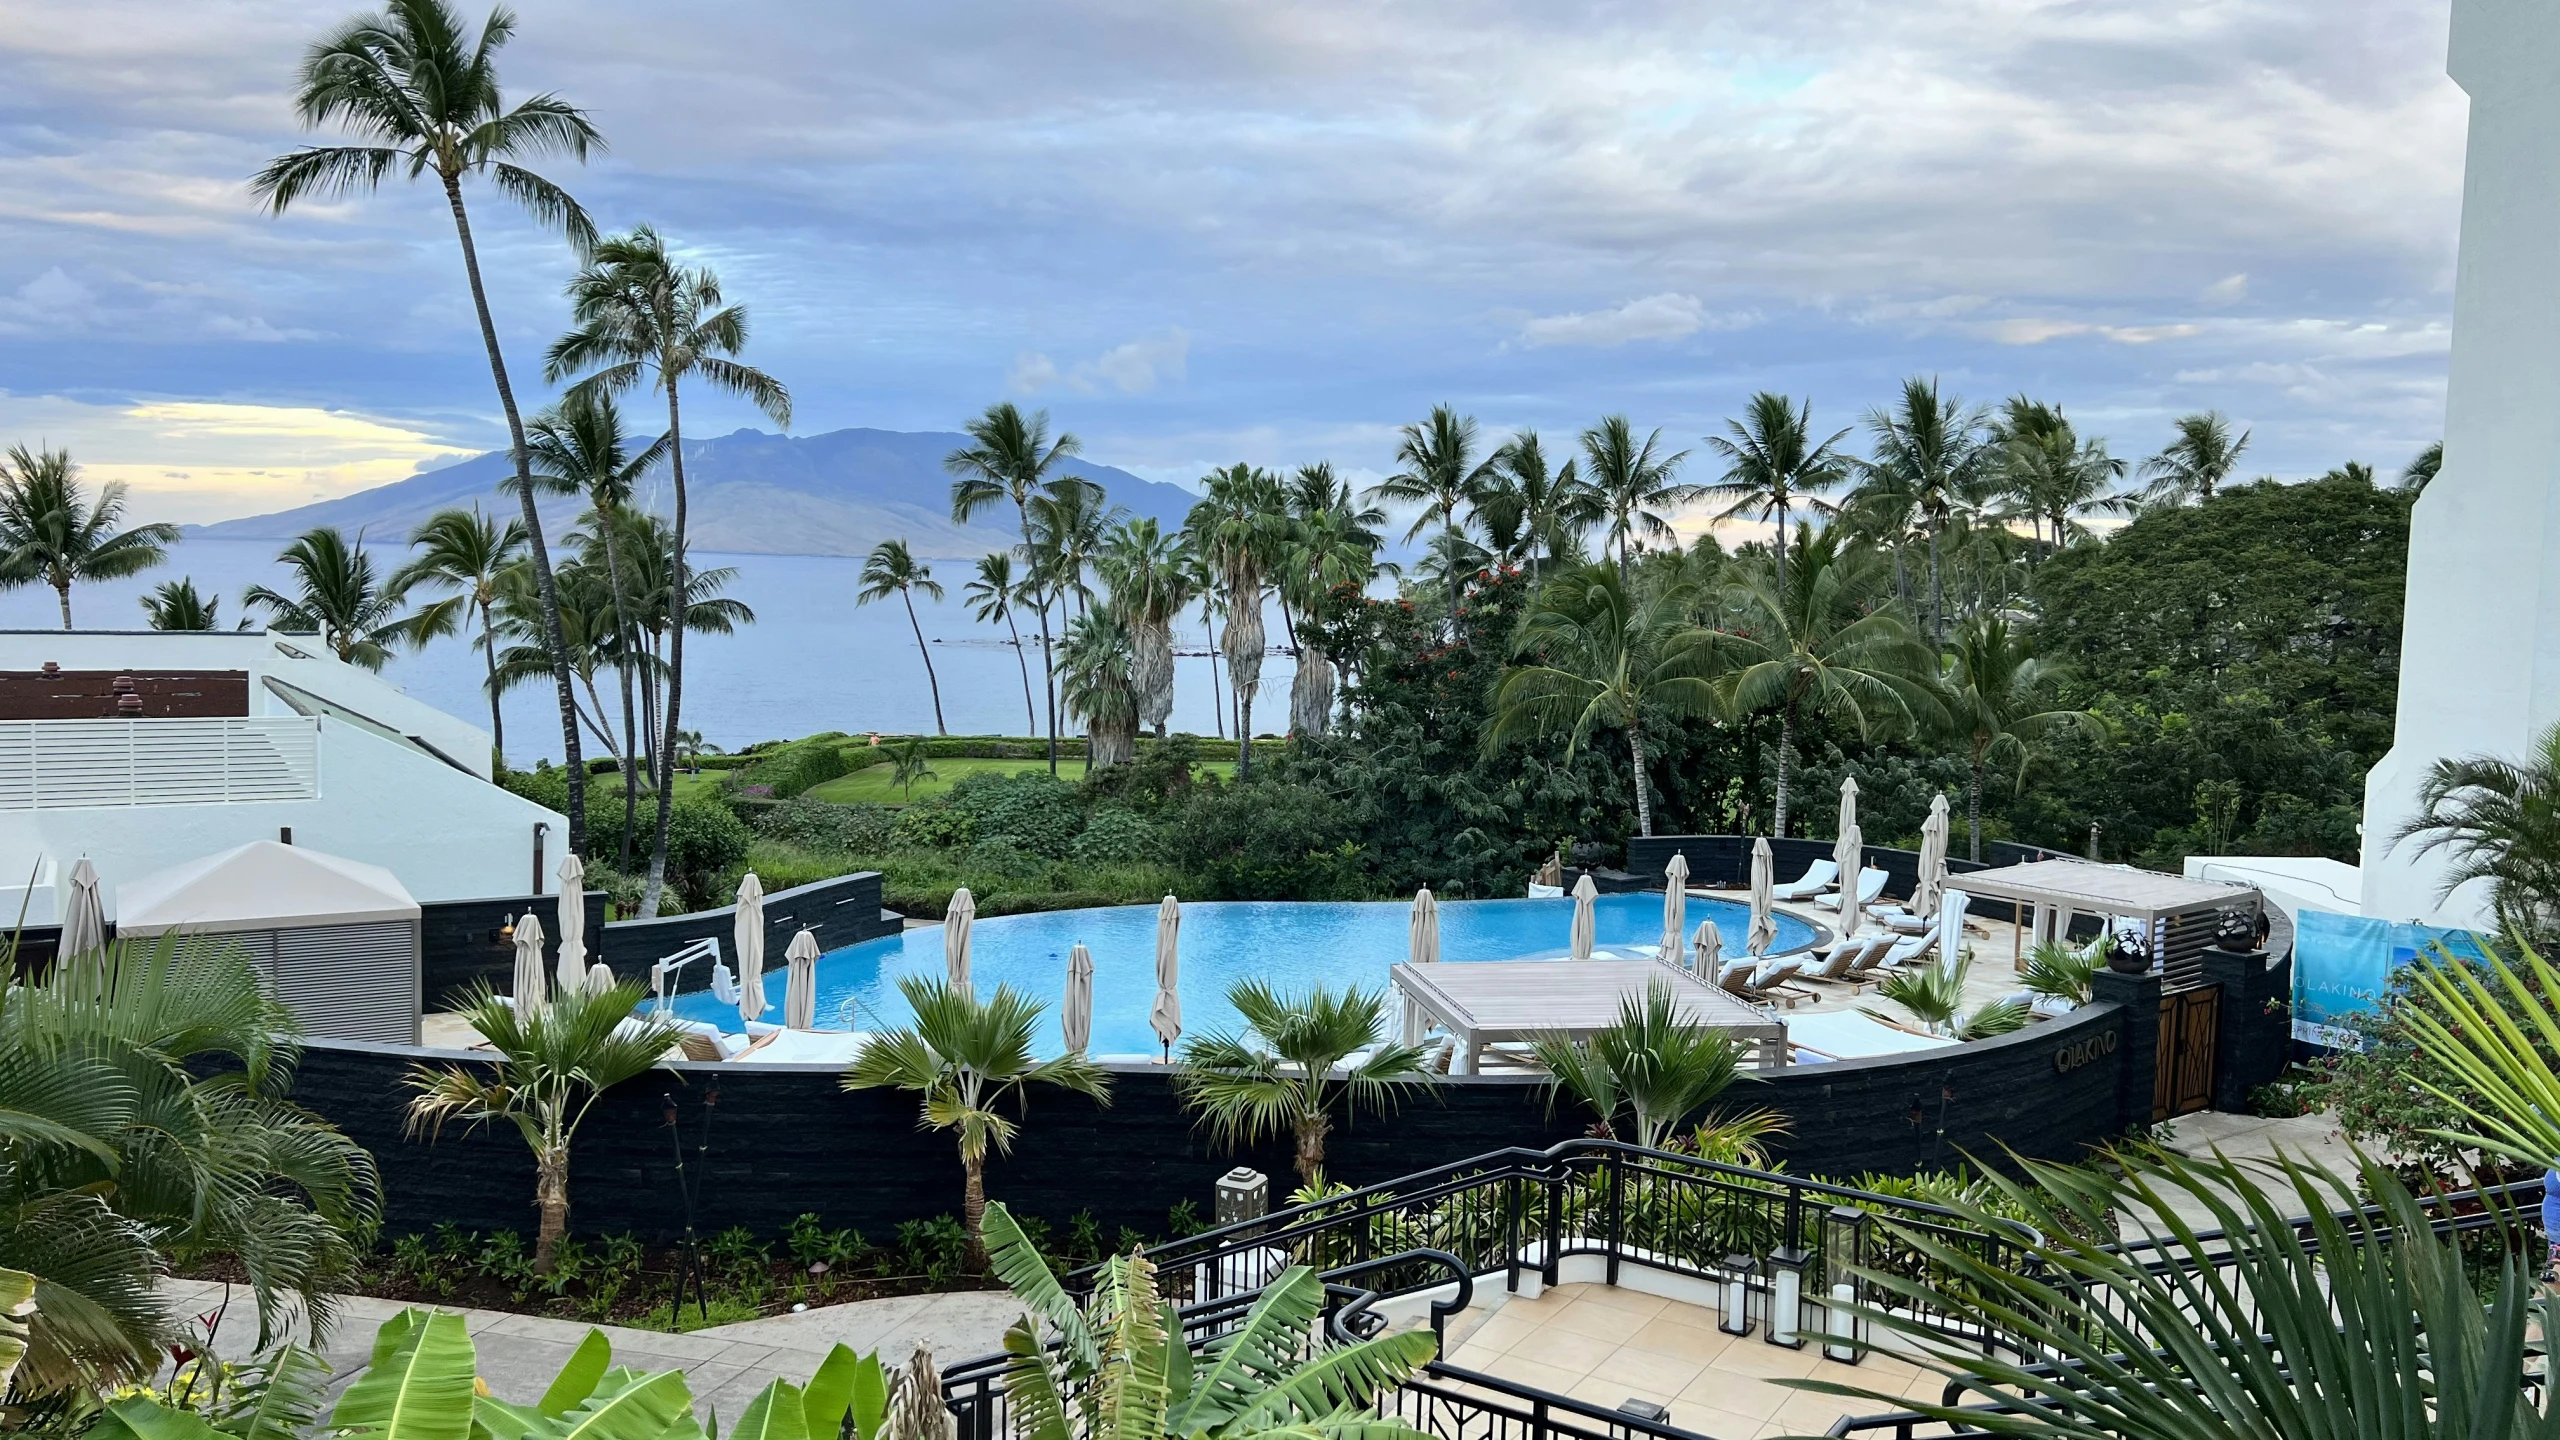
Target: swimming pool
column 1289, row 944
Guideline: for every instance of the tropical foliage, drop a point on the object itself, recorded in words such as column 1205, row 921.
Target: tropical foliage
column 52, row 532
column 1304, row 1058
column 1650, row 1063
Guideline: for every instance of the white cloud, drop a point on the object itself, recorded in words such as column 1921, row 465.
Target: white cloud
column 51, row 300
column 2228, row 290
column 1666, row 316
column 1135, row 368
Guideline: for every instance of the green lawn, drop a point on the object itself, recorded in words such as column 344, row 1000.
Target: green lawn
column 872, row 783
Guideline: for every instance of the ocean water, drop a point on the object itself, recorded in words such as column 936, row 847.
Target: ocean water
column 1288, row 944
column 813, row 660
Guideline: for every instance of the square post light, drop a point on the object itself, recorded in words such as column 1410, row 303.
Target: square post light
column 1737, row 1295
column 1844, row 1247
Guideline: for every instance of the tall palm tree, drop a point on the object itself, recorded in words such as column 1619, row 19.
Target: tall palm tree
column 1070, row 525
column 891, row 569
column 1331, row 542
column 2498, row 820
column 1930, row 461
column 1095, row 684
column 992, row 596
column 175, row 605
column 2053, row 477
column 338, row 598
column 1827, row 646
column 1596, row 652
column 1285, row 1072
column 966, row 1057
column 1440, row 473
column 421, row 92
column 647, row 577
column 1773, row 464
column 1996, row 691
column 466, row 552
column 1012, row 457
column 1152, row 579
column 642, row 318
column 586, row 611
column 555, row 1061
column 52, row 532
column 2190, row 466
column 1238, row 527
column 1552, row 506
column 1632, row 485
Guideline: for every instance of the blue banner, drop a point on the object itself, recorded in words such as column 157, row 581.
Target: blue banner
column 2342, row 964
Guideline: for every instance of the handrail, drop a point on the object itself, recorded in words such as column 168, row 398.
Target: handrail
column 1344, row 1326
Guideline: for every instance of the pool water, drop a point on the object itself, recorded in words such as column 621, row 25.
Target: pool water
column 1292, row 945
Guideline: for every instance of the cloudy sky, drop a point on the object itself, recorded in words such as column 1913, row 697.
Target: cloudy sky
column 1273, row 232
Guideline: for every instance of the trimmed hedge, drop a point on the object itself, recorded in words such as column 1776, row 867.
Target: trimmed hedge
column 797, row 766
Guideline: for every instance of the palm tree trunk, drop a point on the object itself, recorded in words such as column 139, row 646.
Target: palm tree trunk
column 1786, row 753
column 1644, row 799
column 1030, row 716
column 931, row 681
column 551, row 1197
column 1937, row 596
column 623, row 637
column 1782, row 548
column 1973, row 810
column 1217, row 706
column 497, row 713
column 1311, row 1133
column 573, row 760
column 1449, row 558
column 973, row 1208
column 1048, row 661
column 679, row 602
column 62, row 592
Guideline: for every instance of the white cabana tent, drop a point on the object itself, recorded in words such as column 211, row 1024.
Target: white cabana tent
column 337, row 939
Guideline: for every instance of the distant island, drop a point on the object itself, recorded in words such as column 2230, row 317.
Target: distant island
column 753, row 492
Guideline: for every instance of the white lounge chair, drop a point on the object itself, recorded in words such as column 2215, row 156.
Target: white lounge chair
column 1910, row 950
column 1847, row 958
column 1818, row 877
column 1870, row 885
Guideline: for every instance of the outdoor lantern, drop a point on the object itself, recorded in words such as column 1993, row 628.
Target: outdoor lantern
column 1844, row 1247
column 1786, row 1296
column 1737, row 1295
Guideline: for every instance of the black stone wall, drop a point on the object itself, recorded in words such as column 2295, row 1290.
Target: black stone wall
column 844, row 911
column 459, row 942
column 2253, row 1035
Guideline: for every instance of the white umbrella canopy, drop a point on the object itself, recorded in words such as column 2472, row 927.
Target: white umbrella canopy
column 800, row 992
column 529, row 991
column 1166, row 1018
column 1075, row 1010
column 1764, row 930
column 84, row 914
column 573, row 923
column 957, row 918
column 1852, row 897
column 1710, row 950
column 749, row 935
column 1933, row 857
column 1951, row 929
column 1675, row 905
column 1422, row 940
column 599, row 978
column 1586, row 924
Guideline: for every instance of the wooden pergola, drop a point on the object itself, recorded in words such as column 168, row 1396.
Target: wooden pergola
column 2178, row 916
column 1495, row 1002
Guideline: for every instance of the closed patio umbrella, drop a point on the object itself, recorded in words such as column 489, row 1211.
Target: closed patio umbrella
column 800, row 992
column 1166, row 1018
column 1710, row 950
column 1849, row 852
column 1422, row 941
column 529, row 991
column 749, row 936
column 1852, row 893
column 1675, row 907
column 1075, row 1011
column 573, row 923
column 599, row 978
column 84, row 914
column 1933, row 857
column 957, row 918
column 1586, row 925
column 1764, row 930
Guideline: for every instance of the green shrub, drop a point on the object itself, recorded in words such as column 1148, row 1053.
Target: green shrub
column 1116, row 836
column 934, row 824
column 1008, row 857
column 815, row 824
column 1041, row 814
column 797, row 766
column 1269, row 841
column 703, row 841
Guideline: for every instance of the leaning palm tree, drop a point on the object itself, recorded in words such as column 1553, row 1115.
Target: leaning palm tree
column 337, row 597
column 1773, row 464
column 966, row 1057
column 1997, row 695
column 1011, row 457
column 1828, row 646
column 1931, row 460
column 2498, row 821
column 1439, row 471
column 1238, row 528
column 992, row 596
column 892, row 569
column 175, row 605
column 1286, row 1073
column 1632, row 486
column 556, row 1060
column 466, row 552
column 1094, row 671
column 1591, row 655
column 641, row 318
column 1655, row 1064
column 2190, row 466
column 52, row 533
column 420, row 93
column 1152, row 580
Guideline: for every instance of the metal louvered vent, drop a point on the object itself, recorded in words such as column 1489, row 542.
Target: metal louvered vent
column 347, row 982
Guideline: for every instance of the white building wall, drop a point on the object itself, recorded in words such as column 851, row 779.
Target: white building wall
column 2480, row 652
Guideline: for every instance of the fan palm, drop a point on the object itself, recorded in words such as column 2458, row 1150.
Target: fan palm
column 1994, row 690
column 337, row 597
column 642, row 318
column 1331, row 543
column 1547, row 509
column 2052, row 475
column 1238, row 528
column 1934, row 995
column 2190, row 466
column 1932, row 466
column 1439, row 472
column 967, row 1057
column 1773, row 464
column 1095, row 684
column 1119, row 1367
column 1825, row 646
column 2498, row 821
column 1284, row 1074
column 992, row 596
column 52, row 532
column 466, row 552
column 555, row 1061
column 1011, row 457
column 421, row 94
column 892, row 569
column 1591, row 655
column 175, row 605
column 1152, row 580
column 1652, row 1062
column 1631, row 486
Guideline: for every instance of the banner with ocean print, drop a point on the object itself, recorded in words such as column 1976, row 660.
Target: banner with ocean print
column 2342, row 964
